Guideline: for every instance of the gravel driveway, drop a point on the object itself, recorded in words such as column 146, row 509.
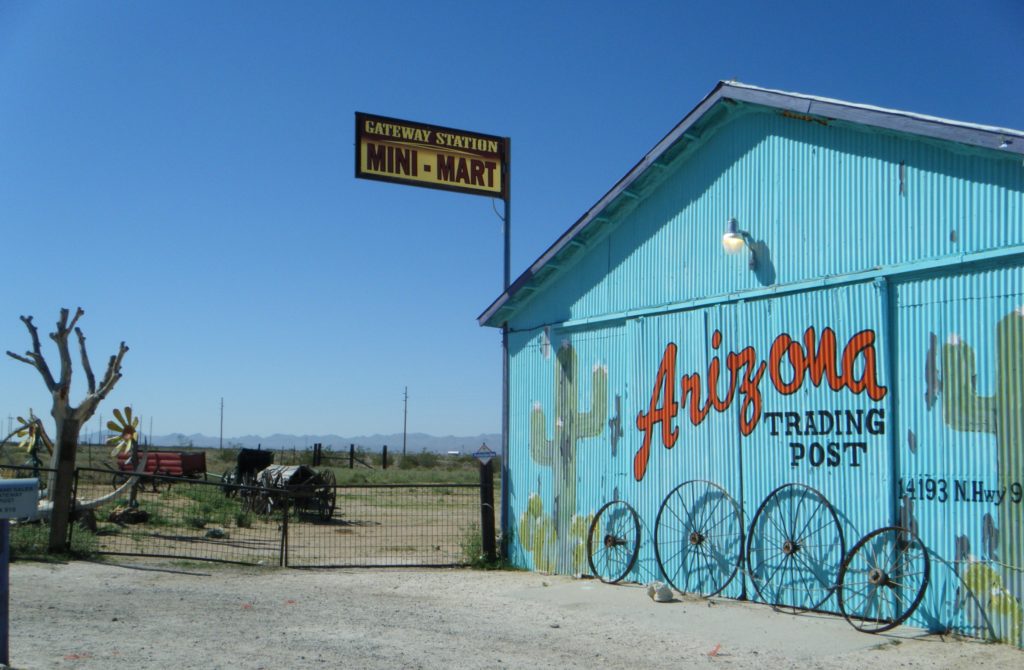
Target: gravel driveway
column 107, row 615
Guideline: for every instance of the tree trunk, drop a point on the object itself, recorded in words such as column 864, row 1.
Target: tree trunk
column 67, row 446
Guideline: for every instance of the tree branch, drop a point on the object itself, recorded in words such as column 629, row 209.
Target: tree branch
column 61, row 339
column 113, row 372
column 35, row 357
column 89, row 376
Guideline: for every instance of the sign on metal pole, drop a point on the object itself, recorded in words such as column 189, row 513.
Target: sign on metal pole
column 484, row 454
column 18, row 500
column 418, row 154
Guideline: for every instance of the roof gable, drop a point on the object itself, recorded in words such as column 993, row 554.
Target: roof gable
column 693, row 131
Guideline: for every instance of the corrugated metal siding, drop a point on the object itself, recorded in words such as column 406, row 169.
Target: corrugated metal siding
column 948, row 351
column 835, row 441
column 823, row 199
column 850, row 462
column 961, row 409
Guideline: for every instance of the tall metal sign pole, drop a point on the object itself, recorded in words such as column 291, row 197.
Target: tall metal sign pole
column 504, row 352
column 418, row 154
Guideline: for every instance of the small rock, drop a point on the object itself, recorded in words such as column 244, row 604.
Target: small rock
column 659, row 592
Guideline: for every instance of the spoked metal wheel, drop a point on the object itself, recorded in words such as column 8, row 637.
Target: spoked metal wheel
column 883, row 579
column 795, row 548
column 698, row 538
column 613, row 541
column 326, row 494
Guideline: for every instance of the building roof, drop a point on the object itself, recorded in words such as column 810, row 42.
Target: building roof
column 727, row 94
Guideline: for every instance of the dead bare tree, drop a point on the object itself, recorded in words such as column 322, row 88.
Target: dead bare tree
column 68, row 418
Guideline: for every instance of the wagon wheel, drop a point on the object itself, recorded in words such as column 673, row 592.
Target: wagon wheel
column 251, row 494
column 261, row 502
column 118, row 479
column 795, row 548
column 159, row 480
column 228, row 482
column 883, row 579
column 613, row 541
column 326, row 494
column 698, row 538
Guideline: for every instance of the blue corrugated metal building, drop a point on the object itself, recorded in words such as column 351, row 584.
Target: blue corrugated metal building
column 859, row 363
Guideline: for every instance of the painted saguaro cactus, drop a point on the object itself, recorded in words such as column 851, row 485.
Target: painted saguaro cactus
column 570, row 427
column 1002, row 415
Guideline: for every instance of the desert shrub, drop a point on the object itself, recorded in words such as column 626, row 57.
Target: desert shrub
column 424, row 459
column 29, row 541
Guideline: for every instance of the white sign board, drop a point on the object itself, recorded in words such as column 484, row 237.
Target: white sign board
column 484, row 454
column 18, row 498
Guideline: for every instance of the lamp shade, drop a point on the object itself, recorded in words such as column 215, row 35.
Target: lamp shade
column 732, row 241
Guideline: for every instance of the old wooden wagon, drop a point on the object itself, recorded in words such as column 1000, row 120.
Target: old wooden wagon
column 300, row 487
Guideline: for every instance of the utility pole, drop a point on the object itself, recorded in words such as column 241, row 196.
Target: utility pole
column 222, row 423
column 405, row 419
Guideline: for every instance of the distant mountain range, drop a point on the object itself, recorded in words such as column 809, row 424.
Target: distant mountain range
column 415, row 442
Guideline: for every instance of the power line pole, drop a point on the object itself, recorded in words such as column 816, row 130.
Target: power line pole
column 222, row 423
column 405, row 419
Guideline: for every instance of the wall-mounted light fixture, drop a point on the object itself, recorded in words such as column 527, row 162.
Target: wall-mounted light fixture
column 735, row 239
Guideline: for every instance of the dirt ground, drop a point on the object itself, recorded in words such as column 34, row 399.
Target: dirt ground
column 152, row 615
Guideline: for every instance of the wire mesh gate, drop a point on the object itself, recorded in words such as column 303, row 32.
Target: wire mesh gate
column 371, row 525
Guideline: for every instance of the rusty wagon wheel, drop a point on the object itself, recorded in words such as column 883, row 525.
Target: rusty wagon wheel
column 795, row 548
column 326, row 494
column 698, row 538
column 613, row 541
column 883, row 579
column 118, row 479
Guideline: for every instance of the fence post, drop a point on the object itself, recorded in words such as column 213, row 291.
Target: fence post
column 384, row 458
column 283, row 560
column 487, row 510
column 351, row 456
column 71, row 519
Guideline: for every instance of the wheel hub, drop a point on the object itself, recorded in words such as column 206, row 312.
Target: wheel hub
column 878, row 577
column 612, row 541
column 789, row 547
column 696, row 538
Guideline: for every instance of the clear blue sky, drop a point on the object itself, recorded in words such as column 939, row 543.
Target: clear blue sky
column 184, row 172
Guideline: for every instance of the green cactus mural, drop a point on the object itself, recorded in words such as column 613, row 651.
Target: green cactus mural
column 1002, row 415
column 537, row 535
column 559, row 453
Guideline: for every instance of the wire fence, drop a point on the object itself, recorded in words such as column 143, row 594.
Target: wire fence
column 392, row 525
column 174, row 517
column 193, row 519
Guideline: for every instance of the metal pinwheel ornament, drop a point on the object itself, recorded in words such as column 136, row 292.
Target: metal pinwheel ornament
column 125, row 432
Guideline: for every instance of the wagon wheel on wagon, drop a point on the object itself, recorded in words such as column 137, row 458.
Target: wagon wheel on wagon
column 795, row 548
column 253, row 496
column 326, row 494
column 883, row 579
column 117, row 479
column 261, row 502
column 613, row 541
column 228, row 482
column 698, row 538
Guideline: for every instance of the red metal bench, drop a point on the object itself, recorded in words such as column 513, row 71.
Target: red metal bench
column 170, row 463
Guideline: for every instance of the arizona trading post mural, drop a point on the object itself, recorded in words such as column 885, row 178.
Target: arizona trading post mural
column 832, row 422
